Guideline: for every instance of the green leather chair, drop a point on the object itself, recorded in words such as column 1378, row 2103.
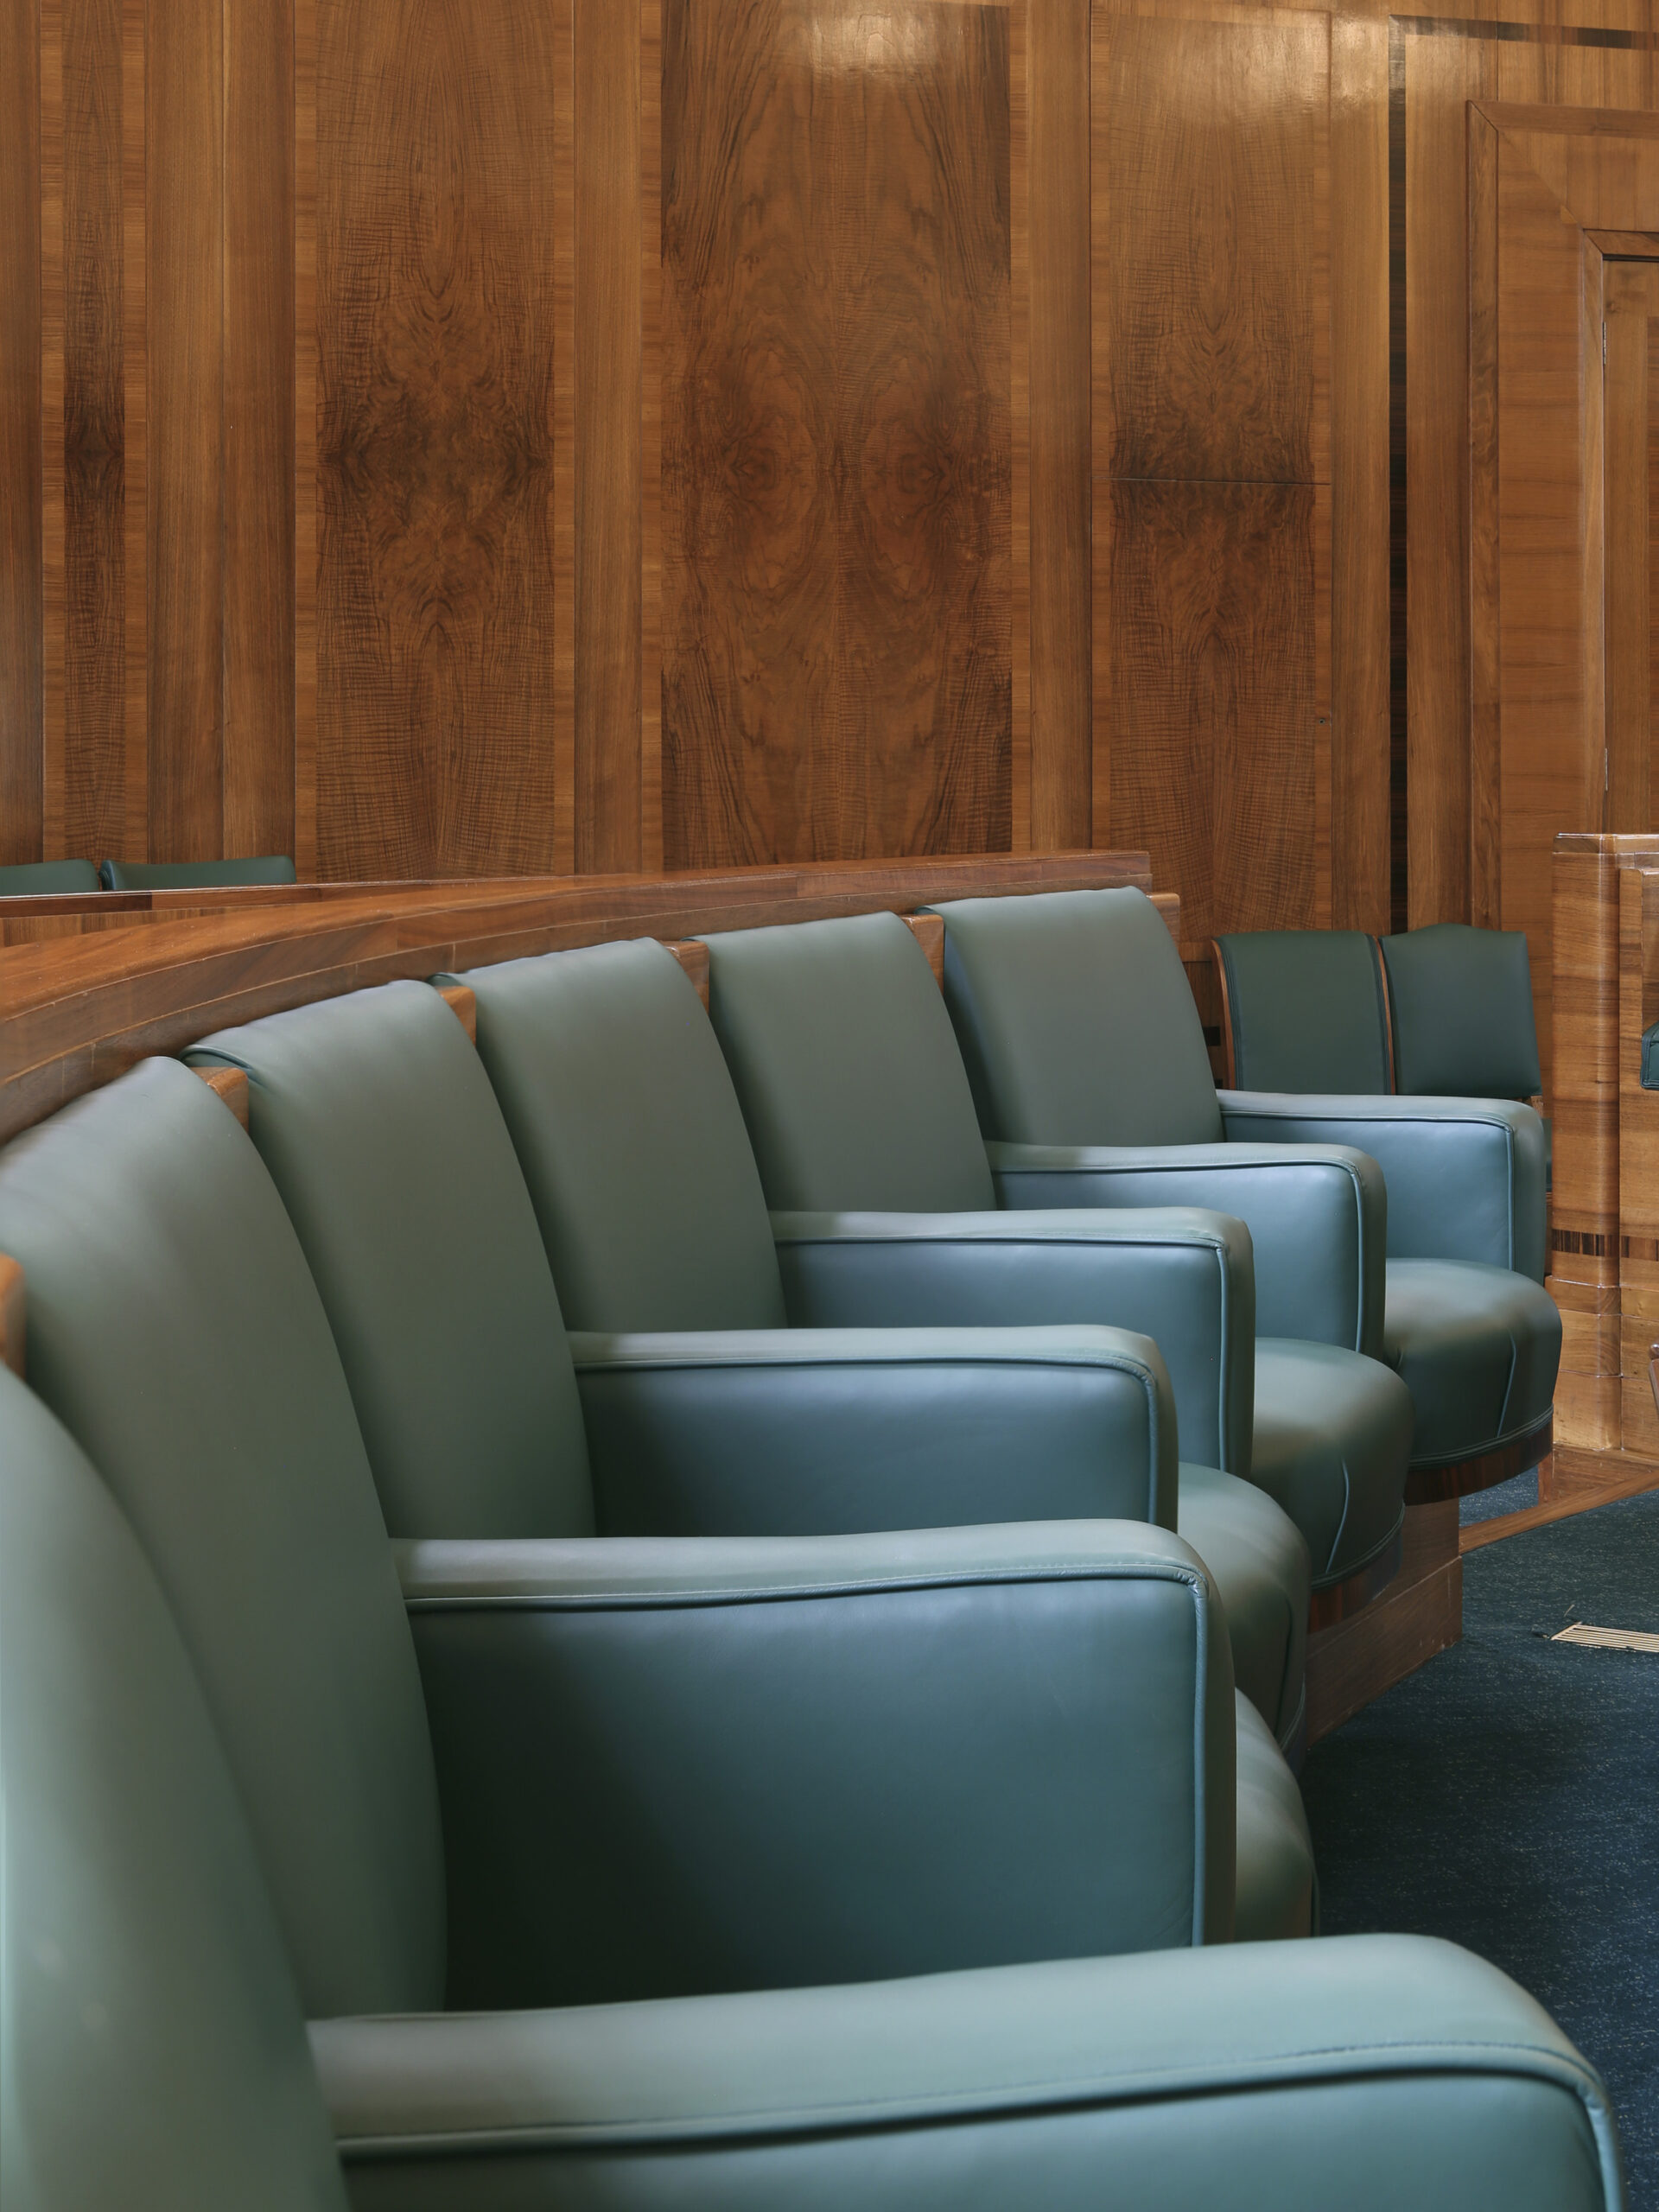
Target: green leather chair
column 662, row 1766
column 884, row 1206
column 380, row 1129
column 1306, row 1010
column 155, row 2050
column 195, row 875
column 632, row 1143
column 1468, row 1321
column 32, row 878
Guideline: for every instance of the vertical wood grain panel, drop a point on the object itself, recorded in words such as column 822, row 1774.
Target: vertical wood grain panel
column 1212, row 458
column 1440, row 79
column 435, row 321
column 21, row 603
column 87, row 779
column 609, row 396
column 184, row 374
column 1061, row 615
column 305, row 438
column 1216, row 213
column 837, row 443
column 52, row 183
column 1630, row 301
column 1546, row 743
column 135, row 440
column 1215, row 631
column 1021, row 758
column 1485, row 621
column 564, row 441
column 650, row 455
column 1652, row 461
column 1358, row 729
column 1628, row 703
column 258, row 433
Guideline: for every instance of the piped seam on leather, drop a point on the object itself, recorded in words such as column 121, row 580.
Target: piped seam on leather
column 614, row 1601
column 1317, row 2064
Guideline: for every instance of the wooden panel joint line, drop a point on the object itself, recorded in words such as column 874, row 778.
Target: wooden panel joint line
column 693, row 956
column 462, row 1002
column 231, row 1085
column 11, row 1314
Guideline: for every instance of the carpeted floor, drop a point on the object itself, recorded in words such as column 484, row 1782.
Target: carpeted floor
column 1507, row 1795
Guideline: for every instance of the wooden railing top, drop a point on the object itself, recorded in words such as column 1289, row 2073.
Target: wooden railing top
column 78, row 1010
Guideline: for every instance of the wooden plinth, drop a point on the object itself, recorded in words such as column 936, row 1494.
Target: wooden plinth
column 1419, row 1614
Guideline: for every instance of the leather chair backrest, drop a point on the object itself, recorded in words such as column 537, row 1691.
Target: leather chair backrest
column 175, row 1330
column 847, row 1070
column 631, row 1138
column 381, row 1134
column 152, row 2049
column 1077, row 1021
column 31, row 878
column 1308, row 1009
column 1463, row 1016
column 195, row 875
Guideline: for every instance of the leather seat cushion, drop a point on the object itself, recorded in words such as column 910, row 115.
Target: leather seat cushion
column 1479, row 1348
column 1276, row 1889
column 1258, row 1561
column 1332, row 1439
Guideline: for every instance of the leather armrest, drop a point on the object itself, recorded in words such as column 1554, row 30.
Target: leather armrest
column 1182, row 1277
column 1317, row 1215
column 811, row 1432
column 1396, row 2057
column 713, row 1764
column 1467, row 1176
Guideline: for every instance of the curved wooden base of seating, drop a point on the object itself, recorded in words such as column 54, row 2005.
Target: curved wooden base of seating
column 1427, row 1485
column 1341, row 1601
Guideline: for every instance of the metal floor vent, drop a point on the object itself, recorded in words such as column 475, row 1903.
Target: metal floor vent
column 1608, row 1639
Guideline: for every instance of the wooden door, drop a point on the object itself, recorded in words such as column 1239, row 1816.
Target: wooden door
column 1631, row 431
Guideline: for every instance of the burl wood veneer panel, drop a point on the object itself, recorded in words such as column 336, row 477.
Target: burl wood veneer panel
column 837, row 441
column 435, row 418
column 1212, row 572
column 1215, row 209
column 1214, row 655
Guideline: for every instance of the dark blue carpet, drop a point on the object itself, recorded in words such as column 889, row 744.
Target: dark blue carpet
column 1507, row 1795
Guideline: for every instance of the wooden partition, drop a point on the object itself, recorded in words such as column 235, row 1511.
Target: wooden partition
column 157, row 975
column 1604, row 1202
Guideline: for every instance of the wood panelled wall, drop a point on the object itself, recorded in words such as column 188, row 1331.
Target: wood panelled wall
column 441, row 436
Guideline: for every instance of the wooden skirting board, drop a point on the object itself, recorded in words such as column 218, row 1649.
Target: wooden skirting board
column 1420, row 1613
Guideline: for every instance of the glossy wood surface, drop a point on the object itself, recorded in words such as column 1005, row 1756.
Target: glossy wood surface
column 13, row 1347
column 1212, row 468
column 434, row 429
column 22, row 607
column 1419, row 1615
column 76, row 1010
column 837, row 440
column 1630, row 430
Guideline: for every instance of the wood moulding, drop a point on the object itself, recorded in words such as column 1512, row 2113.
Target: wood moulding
column 79, row 1009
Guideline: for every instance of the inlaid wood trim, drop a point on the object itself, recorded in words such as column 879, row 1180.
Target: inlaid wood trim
column 563, row 251
column 693, row 956
column 79, row 1009
column 53, row 591
column 13, row 1315
column 928, row 930
column 1424, row 1485
column 229, row 1084
column 305, row 439
column 1342, row 1599
column 1020, row 791
column 136, row 432
column 463, row 1001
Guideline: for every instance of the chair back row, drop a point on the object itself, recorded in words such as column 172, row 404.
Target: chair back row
column 1441, row 1012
